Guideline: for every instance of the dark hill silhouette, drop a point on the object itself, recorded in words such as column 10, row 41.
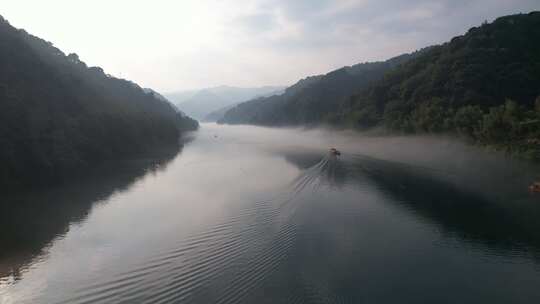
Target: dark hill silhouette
column 58, row 116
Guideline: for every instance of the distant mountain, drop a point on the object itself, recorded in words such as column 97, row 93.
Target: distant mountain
column 58, row 116
column 179, row 97
column 200, row 103
column 218, row 114
column 311, row 99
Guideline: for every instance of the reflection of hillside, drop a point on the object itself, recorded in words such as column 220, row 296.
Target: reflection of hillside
column 30, row 221
column 500, row 225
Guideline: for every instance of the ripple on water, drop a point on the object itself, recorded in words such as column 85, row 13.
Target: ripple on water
column 240, row 251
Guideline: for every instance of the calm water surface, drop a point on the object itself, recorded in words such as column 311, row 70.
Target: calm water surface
column 253, row 215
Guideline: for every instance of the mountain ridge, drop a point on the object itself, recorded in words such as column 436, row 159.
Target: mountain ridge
column 200, row 103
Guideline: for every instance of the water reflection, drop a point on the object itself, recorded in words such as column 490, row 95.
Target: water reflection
column 506, row 225
column 267, row 216
column 31, row 221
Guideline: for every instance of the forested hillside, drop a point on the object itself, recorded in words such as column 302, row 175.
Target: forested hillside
column 310, row 99
column 484, row 85
column 57, row 115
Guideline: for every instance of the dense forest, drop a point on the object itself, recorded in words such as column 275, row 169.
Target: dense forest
column 483, row 86
column 59, row 116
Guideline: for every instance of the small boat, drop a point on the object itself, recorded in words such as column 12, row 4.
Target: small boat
column 334, row 152
column 535, row 187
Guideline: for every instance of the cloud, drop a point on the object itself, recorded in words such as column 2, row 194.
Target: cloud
column 317, row 19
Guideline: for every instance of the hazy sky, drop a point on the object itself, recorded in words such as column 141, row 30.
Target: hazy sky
column 174, row 45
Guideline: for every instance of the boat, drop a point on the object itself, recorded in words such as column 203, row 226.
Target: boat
column 334, row 152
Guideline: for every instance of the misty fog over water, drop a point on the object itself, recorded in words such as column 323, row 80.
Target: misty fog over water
column 248, row 214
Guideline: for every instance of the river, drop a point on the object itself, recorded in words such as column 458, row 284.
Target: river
column 254, row 215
